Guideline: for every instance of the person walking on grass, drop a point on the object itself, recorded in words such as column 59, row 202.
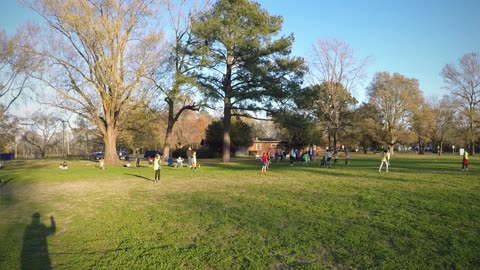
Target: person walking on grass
column 264, row 163
column 465, row 161
column 385, row 160
column 347, row 157
column 157, row 167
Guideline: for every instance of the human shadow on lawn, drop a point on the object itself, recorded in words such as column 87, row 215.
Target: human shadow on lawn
column 35, row 248
column 140, row 176
column 5, row 192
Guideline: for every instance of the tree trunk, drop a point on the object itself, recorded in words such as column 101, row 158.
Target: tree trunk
column 390, row 149
column 168, row 133
column 472, row 148
column 227, row 128
column 335, row 139
column 110, row 153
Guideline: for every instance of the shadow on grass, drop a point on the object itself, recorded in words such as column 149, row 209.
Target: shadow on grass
column 139, row 176
column 35, row 248
column 5, row 192
column 4, row 182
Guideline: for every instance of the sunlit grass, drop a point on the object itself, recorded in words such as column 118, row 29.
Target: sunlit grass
column 423, row 214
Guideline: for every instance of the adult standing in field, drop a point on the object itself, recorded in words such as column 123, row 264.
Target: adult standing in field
column 328, row 156
column 194, row 161
column 157, row 167
column 465, row 161
column 292, row 156
column 189, row 157
column 347, row 157
column 137, row 158
column 384, row 161
column 264, row 163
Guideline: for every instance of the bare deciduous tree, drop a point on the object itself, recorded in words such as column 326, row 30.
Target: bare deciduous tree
column 333, row 65
column 97, row 54
column 171, row 78
column 8, row 129
column 15, row 69
column 464, row 83
column 43, row 129
column 444, row 115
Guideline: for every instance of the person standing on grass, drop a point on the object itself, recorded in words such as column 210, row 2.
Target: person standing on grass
column 189, row 157
column 328, row 155
column 292, row 157
column 137, row 158
column 156, row 167
column 465, row 161
column 194, row 161
column 264, row 163
column 306, row 158
column 385, row 160
column 347, row 157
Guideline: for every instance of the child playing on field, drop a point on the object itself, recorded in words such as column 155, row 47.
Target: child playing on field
column 179, row 162
column 465, row 161
column 264, row 163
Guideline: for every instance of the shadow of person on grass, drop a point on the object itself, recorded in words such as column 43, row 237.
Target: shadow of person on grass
column 139, row 176
column 35, row 249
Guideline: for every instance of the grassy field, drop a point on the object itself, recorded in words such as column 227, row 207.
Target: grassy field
column 423, row 214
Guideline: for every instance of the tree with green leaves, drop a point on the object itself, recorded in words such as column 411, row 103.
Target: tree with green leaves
column 333, row 105
column 366, row 128
column 172, row 77
column 241, row 135
column 239, row 61
column 397, row 97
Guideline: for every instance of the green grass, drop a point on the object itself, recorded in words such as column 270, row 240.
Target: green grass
column 423, row 214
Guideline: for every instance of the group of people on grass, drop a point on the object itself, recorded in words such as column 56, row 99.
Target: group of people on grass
column 327, row 160
column 266, row 159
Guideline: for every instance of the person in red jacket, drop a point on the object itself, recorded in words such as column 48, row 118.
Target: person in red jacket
column 264, row 163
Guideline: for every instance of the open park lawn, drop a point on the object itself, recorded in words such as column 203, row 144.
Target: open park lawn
column 423, row 214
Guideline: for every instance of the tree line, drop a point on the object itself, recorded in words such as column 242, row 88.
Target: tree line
column 130, row 71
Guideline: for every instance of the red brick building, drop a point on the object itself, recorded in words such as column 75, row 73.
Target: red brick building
column 262, row 145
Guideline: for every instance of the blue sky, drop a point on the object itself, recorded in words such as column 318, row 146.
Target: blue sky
column 413, row 37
